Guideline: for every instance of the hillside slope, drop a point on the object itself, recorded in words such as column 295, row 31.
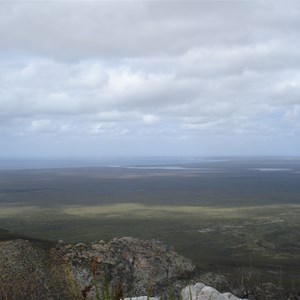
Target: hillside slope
column 33, row 270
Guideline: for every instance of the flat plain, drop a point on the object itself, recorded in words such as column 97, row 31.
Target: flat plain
column 227, row 215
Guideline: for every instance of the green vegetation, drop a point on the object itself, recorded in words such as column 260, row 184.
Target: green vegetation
column 225, row 220
column 214, row 238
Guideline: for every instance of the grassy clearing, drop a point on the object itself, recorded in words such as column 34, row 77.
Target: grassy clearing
column 205, row 234
column 137, row 210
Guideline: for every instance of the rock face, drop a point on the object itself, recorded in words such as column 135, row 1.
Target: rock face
column 36, row 270
column 200, row 291
column 132, row 266
column 31, row 270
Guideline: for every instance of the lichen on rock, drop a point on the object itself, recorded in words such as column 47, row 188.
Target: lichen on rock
column 40, row 270
column 139, row 266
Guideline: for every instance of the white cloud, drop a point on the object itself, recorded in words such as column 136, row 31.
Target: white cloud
column 42, row 126
column 293, row 114
column 98, row 71
column 150, row 119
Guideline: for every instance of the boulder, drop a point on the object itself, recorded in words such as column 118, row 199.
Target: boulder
column 200, row 291
column 130, row 265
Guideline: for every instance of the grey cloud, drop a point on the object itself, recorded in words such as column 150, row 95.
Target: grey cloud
column 120, row 93
column 122, row 29
column 142, row 71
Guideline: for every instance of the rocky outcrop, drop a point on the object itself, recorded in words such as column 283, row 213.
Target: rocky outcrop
column 128, row 264
column 32, row 270
column 37, row 270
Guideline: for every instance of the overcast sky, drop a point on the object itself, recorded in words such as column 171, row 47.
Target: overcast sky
column 94, row 78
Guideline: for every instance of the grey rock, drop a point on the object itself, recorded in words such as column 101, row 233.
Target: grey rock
column 200, row 291
column 134, row 266
column 31, row 270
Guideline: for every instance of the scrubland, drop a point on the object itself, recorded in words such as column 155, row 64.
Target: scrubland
column 233, row 218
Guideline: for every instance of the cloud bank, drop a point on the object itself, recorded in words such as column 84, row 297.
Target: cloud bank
column 149, row 78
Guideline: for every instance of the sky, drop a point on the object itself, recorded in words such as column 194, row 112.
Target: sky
column 159, row 78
